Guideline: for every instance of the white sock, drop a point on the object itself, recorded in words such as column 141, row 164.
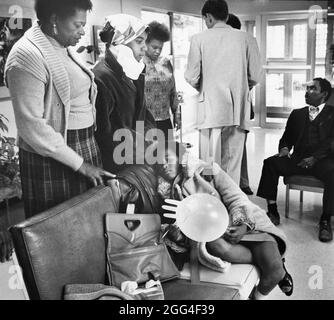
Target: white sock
column 258, row 295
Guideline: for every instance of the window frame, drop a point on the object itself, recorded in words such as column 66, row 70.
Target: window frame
column 287, row 65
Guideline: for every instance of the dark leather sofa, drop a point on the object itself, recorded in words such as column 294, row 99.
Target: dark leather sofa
column 66, row 245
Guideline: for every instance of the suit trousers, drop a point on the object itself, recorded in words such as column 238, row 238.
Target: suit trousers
column 275, row 166
column 244, row 180
column 225, row 146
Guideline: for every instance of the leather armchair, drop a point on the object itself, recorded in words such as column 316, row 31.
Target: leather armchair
column 66, row 245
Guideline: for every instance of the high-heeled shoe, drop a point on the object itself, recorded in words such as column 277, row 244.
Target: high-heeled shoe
column 286, row 284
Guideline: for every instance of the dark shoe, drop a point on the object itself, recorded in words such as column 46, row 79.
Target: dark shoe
column 325, row 231
column 247, row 190
column 286, row 284
column 274, row 217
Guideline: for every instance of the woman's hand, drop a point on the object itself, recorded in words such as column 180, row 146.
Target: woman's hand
column 235, row 233
column 94, row 174
column 6, row 246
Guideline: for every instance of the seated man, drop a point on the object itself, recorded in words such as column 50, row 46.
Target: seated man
column 309, row 131
column 251, row 237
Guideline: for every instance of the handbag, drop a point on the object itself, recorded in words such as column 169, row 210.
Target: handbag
column 94, row 292
column 135, row 250
column 136, row 184
column 123, row 193
column 103, row 292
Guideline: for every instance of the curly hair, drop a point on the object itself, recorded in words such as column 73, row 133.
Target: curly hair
column 62, row 8
column 158, row 31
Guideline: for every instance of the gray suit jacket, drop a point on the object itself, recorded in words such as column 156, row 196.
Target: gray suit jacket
column 223, row 64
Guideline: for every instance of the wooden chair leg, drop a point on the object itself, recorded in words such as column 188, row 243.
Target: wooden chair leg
column 301, row 197
column 287, row 201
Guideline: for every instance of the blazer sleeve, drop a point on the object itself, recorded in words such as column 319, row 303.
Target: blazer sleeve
column 28, row 94
column 287, row 140
column 194, row 66
column 254, row 68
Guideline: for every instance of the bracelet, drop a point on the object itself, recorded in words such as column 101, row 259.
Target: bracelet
column 249, row 227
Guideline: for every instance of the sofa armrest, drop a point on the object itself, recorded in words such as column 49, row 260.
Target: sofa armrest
column 243, row 277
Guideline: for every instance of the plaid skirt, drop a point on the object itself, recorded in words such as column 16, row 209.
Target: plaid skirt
column 47, row 182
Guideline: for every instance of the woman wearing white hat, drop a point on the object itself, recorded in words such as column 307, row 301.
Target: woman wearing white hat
column 120, row 81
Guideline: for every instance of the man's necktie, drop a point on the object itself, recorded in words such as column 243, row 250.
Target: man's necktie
column 313, row 112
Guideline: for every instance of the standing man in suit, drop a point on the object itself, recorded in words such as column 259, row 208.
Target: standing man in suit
column 310, row 132
column 223, row 63
column 235, row 23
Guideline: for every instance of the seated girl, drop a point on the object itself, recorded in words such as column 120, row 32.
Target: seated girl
column 251, row 237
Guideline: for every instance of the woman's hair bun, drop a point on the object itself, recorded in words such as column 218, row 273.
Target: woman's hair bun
column 107, row 34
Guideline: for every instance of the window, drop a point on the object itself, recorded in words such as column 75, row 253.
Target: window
column 274, row 89
column 299, row 36
column 287, row 40
column 275, row 41
column 287, row 67
column 184, row 27
column 298, row 90
column 320, row 52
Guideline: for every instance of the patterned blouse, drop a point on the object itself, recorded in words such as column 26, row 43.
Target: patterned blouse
column 160, row 92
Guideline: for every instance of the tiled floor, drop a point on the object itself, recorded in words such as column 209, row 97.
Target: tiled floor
column 310, row 262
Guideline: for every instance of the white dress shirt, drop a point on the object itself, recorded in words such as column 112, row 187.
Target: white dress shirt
column 314, row 111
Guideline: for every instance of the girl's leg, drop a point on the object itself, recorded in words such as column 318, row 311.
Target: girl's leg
column 234, row 253
column 268, row 259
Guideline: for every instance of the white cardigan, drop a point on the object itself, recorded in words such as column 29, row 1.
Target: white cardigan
column 40, row 92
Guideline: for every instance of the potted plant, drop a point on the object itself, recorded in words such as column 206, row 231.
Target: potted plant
column 10, row 183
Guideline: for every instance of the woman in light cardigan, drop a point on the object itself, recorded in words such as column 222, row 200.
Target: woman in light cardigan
column 53, row 97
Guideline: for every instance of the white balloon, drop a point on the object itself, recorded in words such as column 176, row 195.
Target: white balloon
column 202, row 217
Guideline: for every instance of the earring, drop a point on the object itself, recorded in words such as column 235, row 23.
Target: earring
column 55, row 30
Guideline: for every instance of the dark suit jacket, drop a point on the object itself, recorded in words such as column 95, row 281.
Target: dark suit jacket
column 296, row 124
